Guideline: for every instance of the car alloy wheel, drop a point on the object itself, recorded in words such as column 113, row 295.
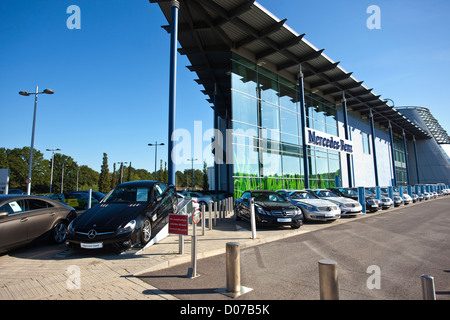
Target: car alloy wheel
column 59, row 232
column 146, row 231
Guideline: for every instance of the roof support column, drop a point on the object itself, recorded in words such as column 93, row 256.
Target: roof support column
column 417, row 163
column 406, row 156
column 347, row 137
column 375, row 165
column 391, row 137
column 175, row 5
column 216, row 141
column 301, row 91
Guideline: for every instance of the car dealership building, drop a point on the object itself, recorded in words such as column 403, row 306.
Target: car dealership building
column 298, row 119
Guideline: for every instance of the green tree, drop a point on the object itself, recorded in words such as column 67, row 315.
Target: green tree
column 104, row 184
column 205, row 176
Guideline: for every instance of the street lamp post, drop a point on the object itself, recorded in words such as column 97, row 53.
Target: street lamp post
column 25, row 93
column 121, row 170
column 51, row 171
column 156, row 144
column 192, row 161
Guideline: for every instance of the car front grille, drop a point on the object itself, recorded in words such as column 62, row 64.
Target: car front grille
column 327, row 208
column 283, row 213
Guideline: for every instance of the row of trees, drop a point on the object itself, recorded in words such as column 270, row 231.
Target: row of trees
column 69, row 176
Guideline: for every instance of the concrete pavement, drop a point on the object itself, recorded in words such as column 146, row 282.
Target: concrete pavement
column 44, row 272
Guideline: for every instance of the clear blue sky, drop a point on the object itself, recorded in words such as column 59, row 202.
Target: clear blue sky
column 111, row 77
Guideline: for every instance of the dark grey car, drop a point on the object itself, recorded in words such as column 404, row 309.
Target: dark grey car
column 25, row 218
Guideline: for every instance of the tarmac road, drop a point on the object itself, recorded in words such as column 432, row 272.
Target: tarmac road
column 400, row 246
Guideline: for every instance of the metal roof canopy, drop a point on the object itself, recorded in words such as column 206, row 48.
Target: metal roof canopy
column 209, row 30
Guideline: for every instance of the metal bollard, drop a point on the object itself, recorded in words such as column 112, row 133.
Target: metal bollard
column 215, row 213
column 203, row 219
column 428, row 291
column 210, row 215
column 328, row 280
column 252, row 217
column 233, row 266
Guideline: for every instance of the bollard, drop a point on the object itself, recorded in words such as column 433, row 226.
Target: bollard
column 192, row 272
column 203, row 219
column 180, row 244
column 328, row 280
column 233, row 267
column 252, row 217
column 215, row 213
column 90, row 199
column 210, row 215
column 428, row 292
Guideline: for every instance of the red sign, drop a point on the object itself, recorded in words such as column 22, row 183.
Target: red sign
column 179, row 224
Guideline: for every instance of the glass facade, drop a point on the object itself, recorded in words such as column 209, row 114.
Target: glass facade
column 400, row 163
column 267, row 137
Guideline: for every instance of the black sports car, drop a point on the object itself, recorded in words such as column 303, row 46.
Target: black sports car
column 270, row 209
column 130, row 215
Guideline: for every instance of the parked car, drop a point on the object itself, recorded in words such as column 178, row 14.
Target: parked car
column 130, row 215
column 79, row 201
column 398, row 201
column 348, row 206
column 25, row 218
column 407, row 199
column 270, row 209
column 198, row 199
column 346, row 192
column 372, row 203
column 95, row 194
column 384, row 202
column 313, row 208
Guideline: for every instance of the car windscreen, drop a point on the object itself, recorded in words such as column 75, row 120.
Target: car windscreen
column 326, row 194
column 128, row 195
column 268, row 197
column 302, row 195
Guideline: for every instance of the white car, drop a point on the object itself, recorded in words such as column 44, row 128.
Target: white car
column 407, row 198
column 349, row 207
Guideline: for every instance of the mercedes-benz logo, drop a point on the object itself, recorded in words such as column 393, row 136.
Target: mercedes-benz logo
column 92, row 233
column 329, row 209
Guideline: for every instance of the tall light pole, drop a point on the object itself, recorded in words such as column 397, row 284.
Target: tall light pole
column 156, row 144
column 51, row 172
column 121, row 170
column 192, row 161
column 24, row 93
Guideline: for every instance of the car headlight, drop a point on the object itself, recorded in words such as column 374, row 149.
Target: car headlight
column 128, row 227
column 70, row 228
column 311, row 207
column 261, row 210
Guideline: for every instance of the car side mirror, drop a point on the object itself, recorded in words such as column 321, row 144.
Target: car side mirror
column 3, row 214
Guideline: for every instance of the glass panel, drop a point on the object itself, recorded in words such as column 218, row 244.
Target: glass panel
column 268, row 89
column 245, row 161
column 288, row 98
column 270, row 116
column 245, row 108
column 244, row 80
column 291, row 166
column 243, row 184
column 271, row 164
column 289, row 122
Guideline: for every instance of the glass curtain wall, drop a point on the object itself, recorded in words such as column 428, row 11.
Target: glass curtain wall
column 266, row 132
column 400, row 162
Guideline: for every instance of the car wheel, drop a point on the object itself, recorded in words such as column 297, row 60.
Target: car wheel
column 295, row 226
column 236, row 213
column 146, row 231
column 58, row 232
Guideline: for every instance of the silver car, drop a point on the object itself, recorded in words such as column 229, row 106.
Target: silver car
column 349, row 207
column 313, row 207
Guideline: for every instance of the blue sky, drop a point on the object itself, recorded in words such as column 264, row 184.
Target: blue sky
column 111, row 77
